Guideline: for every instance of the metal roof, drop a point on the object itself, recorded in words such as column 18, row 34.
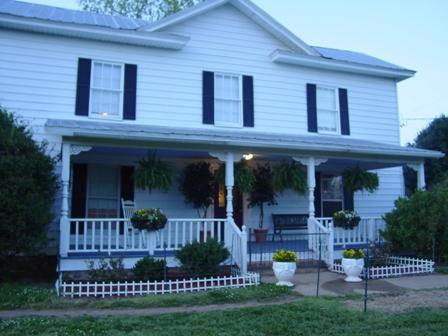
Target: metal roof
column 327, row 145
column 56, row 14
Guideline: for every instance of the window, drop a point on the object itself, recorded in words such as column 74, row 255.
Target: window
column 332, row 194
column 102, row 192
column 327, row 110
column 106, row 90
column 228, row 103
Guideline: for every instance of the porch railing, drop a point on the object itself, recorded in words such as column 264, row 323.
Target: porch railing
column 368, row 230
column 321, row 239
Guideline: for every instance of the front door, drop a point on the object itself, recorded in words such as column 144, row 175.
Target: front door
column 220, row 204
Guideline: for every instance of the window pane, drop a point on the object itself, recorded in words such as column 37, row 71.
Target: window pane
column 235, row 88
column 332, row 188
column 227, row 99
column 326, row 99
column 116, row 77
column 327, row 120
column 97, row 74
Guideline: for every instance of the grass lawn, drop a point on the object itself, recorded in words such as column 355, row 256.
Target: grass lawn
column 311, row 316
column 20, row 296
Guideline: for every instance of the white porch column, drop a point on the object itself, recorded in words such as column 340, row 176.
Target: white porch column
column 420, row 169
column 230, row 180
column 64, row 229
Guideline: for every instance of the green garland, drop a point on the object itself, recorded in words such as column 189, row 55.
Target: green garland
column 289, row 175
column 357, row 179
column 153, row 174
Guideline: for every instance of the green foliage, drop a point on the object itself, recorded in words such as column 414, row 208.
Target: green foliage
column 411, row 225
column 149, row 268
column 107, row 270
column 198, row 186
column 153, row 174
column 202, row 258
column 435, row 137
column 244, row 177
column 346, row 219
column 27, row 188
column 263, row 190
column 150, row 10
column 357, row 179
column 149, row 219
column 284, row 256
column 289, row 175
column 353, row 254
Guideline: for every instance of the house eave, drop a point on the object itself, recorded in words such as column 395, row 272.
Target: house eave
column 129, row 37
column 286, row 57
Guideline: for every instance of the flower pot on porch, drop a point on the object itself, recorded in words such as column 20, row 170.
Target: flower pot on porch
column 284, row 272
column 353, row 269
column 260, row 235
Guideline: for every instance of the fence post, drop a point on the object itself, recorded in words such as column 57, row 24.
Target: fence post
column 244, row 249
column 330, row 246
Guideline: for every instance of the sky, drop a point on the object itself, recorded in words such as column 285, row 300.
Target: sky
column 410, row 33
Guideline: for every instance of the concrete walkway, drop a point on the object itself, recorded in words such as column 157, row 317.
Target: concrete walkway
column 334, row 285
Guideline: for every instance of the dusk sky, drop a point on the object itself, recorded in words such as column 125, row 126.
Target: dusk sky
column 410, row 33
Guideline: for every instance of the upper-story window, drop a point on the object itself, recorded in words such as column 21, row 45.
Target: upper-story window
column 328, row 119
column 106, row 90
column 228, row 102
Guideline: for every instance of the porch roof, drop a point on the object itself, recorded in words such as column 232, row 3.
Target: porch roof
column 102, row 132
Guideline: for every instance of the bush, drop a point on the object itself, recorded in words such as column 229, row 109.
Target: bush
column 107, row 270
column 149, row 268
column 202, row 259
column 412, row 224
column 27, row 189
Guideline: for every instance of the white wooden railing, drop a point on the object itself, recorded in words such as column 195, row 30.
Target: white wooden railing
column 368, row 230
column 321, row 239
column 111, row 235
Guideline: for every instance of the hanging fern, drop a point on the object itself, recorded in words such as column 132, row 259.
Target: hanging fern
column 357, row 179
column 244, row 176
column 289, row 175
column 153, row 174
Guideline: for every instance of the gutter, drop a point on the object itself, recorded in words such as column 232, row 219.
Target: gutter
column 130, row 37
column 286, row 57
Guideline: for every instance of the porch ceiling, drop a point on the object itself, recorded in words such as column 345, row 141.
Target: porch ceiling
column 337, row 149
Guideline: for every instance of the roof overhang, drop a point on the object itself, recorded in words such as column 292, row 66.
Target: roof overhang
column 286, row 57
column 127, row 134
column 130, row 37
column 250, row 10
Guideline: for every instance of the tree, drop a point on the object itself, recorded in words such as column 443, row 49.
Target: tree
column 27, row 189
column 262, row 191
column 435, row 137
column 151, row 10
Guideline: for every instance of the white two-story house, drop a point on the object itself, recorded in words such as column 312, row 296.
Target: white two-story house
column 213, row 83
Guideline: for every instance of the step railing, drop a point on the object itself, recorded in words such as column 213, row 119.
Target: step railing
column 236, row 243
column 321, row 239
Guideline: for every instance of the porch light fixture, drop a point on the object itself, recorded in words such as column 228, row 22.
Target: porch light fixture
column 248, row 157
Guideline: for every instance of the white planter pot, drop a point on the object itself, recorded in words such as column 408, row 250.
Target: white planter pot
column 353, row 269
column 284, row 272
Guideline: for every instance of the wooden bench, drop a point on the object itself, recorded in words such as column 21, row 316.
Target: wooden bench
column 288, row 222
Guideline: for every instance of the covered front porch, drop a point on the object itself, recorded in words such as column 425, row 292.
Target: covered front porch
column 97, row 235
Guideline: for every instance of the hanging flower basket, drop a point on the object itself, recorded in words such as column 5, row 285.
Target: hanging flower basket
column 149, row 219
column 346, row 219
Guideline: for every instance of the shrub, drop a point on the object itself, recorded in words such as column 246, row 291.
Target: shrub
column 284, row 256
column 27, row 188
column 412, row 224
column 149, row 268
column 353, row 254
column 107, row 270
column 202, row 259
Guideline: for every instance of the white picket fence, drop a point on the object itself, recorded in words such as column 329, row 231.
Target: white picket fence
column 134, row 288
column 399, row 266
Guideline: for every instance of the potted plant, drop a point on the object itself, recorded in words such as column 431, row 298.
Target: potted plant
column 284, row 267
column 353, row 264
column 244, row 176
column 289, row 175
column 262, row 193
column 346, row 219
column 357, row 179
column 153, row 174
column 148, row 219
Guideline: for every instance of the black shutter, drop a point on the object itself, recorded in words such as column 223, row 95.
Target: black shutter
column 79, row 195
column 83, row 87
column 208, row 97
column 317, row 197
column 349, row 203
column 127, row 183
column 311, row 107
column 343, row 109
column 248, row 101
column 130, row 91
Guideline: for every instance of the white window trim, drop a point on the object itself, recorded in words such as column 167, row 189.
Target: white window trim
column 338, row 109
column 91, row 89
column 240, row 115
column 322, row 199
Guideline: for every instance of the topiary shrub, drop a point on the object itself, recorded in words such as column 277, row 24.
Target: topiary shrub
column 27, row 189
column 149, row 268
column 412, row 224
column 202, row 259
